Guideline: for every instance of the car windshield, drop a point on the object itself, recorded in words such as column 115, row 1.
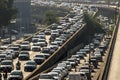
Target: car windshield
column 30, row 63
column 41, row 40
column 15, row 48
column 84, row 67
column 46, row 77
column 39, row 56
column 24, row 52
column 6, row 63
column 54, row 74
column 45, row 50
column 53, row 43
column 16, row 73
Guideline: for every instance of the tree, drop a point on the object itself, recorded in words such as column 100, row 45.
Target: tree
column 7, row 12
column 93, row 22
column 50, row 17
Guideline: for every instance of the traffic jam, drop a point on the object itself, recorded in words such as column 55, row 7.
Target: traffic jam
column 18, row 60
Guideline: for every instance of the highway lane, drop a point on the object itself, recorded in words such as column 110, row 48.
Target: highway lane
column 31, row 53
column 114, row 72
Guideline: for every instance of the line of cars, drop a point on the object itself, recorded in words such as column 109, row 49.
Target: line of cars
column 64, row 68
column 101, row 43
column 33, row 53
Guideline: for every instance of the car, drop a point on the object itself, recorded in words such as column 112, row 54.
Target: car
column 94, row 61
column 72, row 61
column 16, row 75
column 69, row 66
column 16, row 50
column 3, row 57
column 7, row 65
column 62, row 64
column 99, row 57
column 56, row 75
column 55, row 33
column 87, row 63
column 54, row 26
column 25, row 47
column 39, row 58
column 46, row 51
column 5, row 41
column 36, row 48
column 81, row 55
column 3, row 47
column 41, row 34
column 64, row 70
column 96, row 43
column 25, row 42
column 24, row 55
column 42, row 44
column 47, row 31
column 36, row 44
column 11, row 52
column 34, row 40
column 58, row 41
column 82, row 52
column 46, row 76
column 29, row 66
column 86, row 71
column 63, row 38
column 77, row 75
column 42, row 40
column 59, row 71
column 77, row 57
column 54, row 45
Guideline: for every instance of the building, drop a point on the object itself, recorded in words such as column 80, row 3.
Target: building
column 23, row 19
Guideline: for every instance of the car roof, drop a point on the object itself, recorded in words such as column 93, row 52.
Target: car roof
column 16, row 71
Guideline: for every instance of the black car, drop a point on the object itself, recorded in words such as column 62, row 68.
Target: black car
column 6, row 65
column 36, row 48
column 30, row 66
column 24, row 55
column 16, row 75
column 39, row 58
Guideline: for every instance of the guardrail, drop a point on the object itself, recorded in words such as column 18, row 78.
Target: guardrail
column 107, row 65
column 104, row 68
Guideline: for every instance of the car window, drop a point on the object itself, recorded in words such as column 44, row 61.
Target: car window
column 31, row 63
column 16, row 73
column 6, row 63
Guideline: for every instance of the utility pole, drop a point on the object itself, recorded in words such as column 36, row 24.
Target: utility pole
column 108, row 3
column 89, row 58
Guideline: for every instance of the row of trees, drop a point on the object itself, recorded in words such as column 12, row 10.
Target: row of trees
column 50, row 17
column 7, row 12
